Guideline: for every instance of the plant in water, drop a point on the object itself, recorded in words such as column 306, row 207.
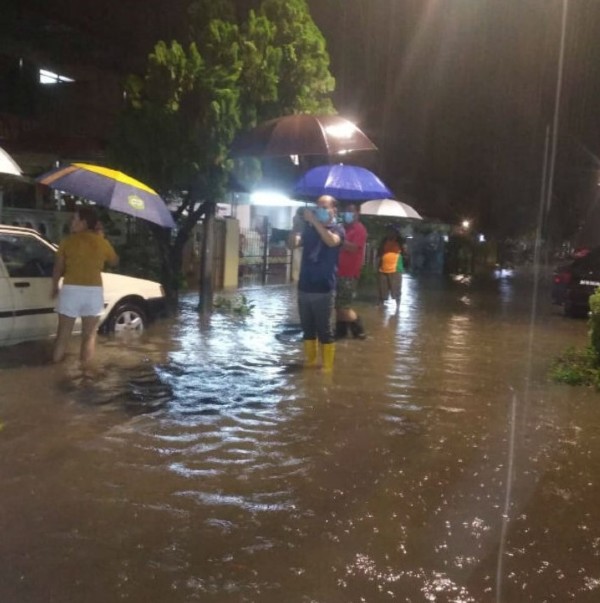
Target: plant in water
column 238, row 306
column 582, row 367
column 595, row 321
column 577, row 367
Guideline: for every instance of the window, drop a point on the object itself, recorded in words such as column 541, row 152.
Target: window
column 25, row 256
column 49, row 77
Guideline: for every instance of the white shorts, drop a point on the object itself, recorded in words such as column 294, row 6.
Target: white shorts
column 77, row 300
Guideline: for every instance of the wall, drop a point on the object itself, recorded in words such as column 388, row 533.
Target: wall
column 232, row 249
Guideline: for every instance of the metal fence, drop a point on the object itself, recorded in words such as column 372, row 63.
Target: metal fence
column 264, row 256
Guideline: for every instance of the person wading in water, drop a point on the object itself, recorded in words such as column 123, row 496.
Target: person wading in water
column 351, row 260
column 320, row 238
column 79, row 260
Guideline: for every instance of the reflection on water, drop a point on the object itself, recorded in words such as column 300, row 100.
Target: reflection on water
column 204, row 465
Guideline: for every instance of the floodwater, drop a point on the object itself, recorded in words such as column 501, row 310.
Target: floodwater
column 437, row 464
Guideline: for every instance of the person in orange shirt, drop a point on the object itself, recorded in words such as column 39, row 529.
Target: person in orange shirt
column 390, row 265
column 79, row 261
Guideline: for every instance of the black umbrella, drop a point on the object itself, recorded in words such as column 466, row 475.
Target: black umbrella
column 301, row 135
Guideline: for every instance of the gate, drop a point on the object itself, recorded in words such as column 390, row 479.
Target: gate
column 264, row 256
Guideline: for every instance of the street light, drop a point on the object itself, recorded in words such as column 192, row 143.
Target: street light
column 466, row 224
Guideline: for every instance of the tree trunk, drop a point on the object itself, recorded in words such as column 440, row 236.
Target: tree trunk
column 170, row 262
column 205, row 302
column 171, row 252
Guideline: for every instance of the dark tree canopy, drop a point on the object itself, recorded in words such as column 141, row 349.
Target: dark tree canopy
column 183, row 113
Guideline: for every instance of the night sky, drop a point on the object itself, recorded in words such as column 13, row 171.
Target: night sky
column 457, row 94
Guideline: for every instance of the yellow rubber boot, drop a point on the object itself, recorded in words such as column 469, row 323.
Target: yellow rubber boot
column 311, row 352
column 328, row 356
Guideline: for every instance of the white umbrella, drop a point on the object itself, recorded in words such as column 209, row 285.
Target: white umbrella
column 389, row 207
column 8, row 165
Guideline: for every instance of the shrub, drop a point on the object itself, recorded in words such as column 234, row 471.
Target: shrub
column 582, row 367
column 595, row 321
column 577, row 367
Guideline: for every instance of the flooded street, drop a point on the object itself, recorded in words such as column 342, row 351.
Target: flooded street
column 259, row 482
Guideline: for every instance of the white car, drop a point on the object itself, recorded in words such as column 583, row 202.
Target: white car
column 26, row 309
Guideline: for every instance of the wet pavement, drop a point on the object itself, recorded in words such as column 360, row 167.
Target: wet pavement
column 437, row 464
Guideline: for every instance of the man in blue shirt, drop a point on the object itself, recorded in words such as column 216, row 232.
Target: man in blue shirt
column 321, row 239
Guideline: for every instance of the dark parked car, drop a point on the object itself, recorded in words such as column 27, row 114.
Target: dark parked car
column 573, row 283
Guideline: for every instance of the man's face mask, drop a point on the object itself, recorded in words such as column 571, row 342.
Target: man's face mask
column 322, row 215
column 348, row 217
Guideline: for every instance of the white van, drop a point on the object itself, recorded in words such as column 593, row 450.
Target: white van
column 26, row 309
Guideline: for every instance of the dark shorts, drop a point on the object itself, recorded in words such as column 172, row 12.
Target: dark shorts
column 345, row 292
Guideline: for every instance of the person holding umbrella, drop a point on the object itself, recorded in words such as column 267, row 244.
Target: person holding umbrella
column 320, row 238
column 391, row 265
column 79, row 261
column 351, row 260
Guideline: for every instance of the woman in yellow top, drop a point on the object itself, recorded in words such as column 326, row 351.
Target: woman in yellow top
column 80, row 260
column 390, row 266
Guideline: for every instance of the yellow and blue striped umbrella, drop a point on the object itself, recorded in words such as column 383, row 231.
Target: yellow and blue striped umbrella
column 111, row 189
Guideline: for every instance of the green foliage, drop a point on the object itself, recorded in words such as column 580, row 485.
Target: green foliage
column 161, row 136
column 306, row 83
column 238, row 306
column 582, row 367
column 176, row 132
column 183, row 113
column 595, row 321
column 261, row 76
column 577, row 367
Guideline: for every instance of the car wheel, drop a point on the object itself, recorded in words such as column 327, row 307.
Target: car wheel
column 127, row 318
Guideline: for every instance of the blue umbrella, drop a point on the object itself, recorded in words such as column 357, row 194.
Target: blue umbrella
column 344, row 182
